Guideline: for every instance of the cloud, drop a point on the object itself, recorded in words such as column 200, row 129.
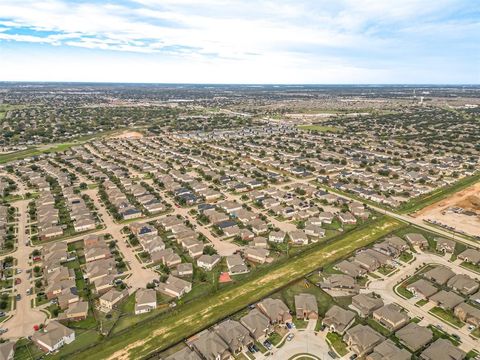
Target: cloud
column 343, row 37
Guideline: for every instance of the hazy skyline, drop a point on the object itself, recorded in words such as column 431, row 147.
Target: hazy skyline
column 241, row 41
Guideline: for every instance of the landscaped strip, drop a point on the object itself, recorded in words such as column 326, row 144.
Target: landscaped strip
column 160, row 333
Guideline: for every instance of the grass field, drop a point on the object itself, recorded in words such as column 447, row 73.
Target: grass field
column 420, row 202
column 319, row 128
column 51, row 148
column 160, row 333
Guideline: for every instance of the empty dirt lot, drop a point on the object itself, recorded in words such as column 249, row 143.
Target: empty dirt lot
column 442, row 212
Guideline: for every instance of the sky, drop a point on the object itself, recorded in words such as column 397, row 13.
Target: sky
column 241, row 41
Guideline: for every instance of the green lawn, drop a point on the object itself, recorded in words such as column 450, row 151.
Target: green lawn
column 406, row 256
column 300, row 324
column 26, row 350
column 163, row 331
column 401, row 290
column 378, row 327
column 337, row 343
column 275, row 338
column 447, row 317
column 422, row 302
column 470, row 266
column 319, row 128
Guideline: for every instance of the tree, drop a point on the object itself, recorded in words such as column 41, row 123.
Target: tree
column 209, row 250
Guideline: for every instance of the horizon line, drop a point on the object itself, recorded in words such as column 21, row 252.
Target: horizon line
column 226, row 83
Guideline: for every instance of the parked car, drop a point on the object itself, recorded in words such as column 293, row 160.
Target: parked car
column 290, row 337
column 18, row 297
column 3, row 330
column 332, row 354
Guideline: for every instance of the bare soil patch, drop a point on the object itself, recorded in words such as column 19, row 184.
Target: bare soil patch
column 129, row 135
column 449, row 211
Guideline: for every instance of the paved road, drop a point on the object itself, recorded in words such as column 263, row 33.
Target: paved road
column 139, row 276
column 24, row 316
column 385, row 289
column 304, row 342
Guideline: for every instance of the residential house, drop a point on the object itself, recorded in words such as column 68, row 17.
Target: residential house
column 306, row 307
column 275, row 310
column 391, row 316
column 445, row 245
column 111, row 298
column 210, row 346
column 7, row 350
column 298, row 237
column 183, row 269
column 422, row 288
column 463, row 284
column 174, row 287
column 440, row 275
column 53, row 336
column 339, row 282
column 366, row 304
column 277, row 236
column 442, row 349
column 414, row 336
column 347, row 218
column 338, row 319
column 145, row 301
column 260, row 242
column 468, row 313
column 236, row 265
column 235, row 335
column 417, row 240
column 371, row 260
column 446, row 300
column 257, row 324
column 362, row 339
column 257, row 255
column 314, row 230
column 208, row 262
column 184, row 354
column 350, row 268
column 470, row 255
column 387, row 350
